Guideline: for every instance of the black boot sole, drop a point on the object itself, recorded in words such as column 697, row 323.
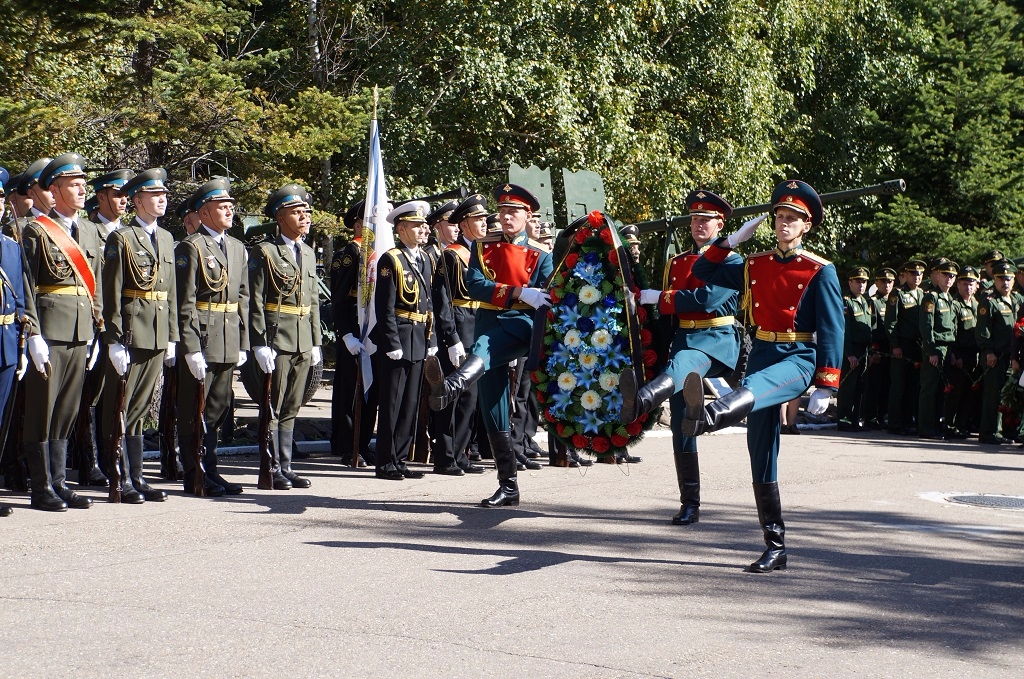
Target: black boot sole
column 693, row 396
column 628, row 388
column 434, row 376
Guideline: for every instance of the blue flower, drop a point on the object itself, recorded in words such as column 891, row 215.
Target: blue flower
column 567, row 318
column 562, row 354
column 592, row 421
column 553, row 387
column 609, row 301
column 585, row 324
column 592, row 274
column 613, row 401
column 592, row 258
column 615, row 359
column 605, row 319
column 561, row 400
column 571, row 300
column 588, row 379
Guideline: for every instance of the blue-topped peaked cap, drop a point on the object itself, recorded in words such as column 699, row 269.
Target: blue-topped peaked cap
column 473, row 206
column 413, row 211
column 31, row 175
column 708, row 204
column 64, row 165
column 92, row 205
column 288, row 195
column 442, row 212
column 513, row 195
column 153, row 180
column 112, row 180
column 11, row 185
column 218, row 188
column 182, row 209
column 354, row 212
column 799, row 196
column 5, row 177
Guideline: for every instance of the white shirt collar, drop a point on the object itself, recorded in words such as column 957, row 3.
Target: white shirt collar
column 116, row 223
column 37, row 212
column 148, row 228
column 67, row 221
column 213, row 234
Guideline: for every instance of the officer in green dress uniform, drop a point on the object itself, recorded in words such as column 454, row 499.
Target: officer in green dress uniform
column 63, row 255
column 213, row 319
column 988, row 262
column 876, row 398
column 903, row 324
column 861, row 321
column 140, row 314
column 938, row 331
column 506, row 275
column 961, row 406
column 996, row 317
column 283, row 285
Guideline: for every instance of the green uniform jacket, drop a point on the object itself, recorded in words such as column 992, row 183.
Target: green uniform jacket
column 132, row 266
column 206, row 275
column 966, row 313
column 879, row 336
column 860, row 324
column 996, row 317
column 902, row 317
column 938, row 322
column 63, row 318
column 274, row 279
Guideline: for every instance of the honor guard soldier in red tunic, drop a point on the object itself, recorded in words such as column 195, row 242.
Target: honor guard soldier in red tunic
column 63, row 254
column 705, row 342
column 796, row 303
column 507, row 276
column 283, row 285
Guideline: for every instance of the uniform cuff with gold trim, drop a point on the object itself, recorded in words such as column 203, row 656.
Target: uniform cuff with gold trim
column 827, row 378
column 502, row 295
column 718, row 251
column 666, row 303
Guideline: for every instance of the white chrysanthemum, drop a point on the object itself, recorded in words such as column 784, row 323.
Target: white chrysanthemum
column 591, row 400
column 567, row 381
column 589, row 361
column 572, row 339
column 589, row 294
column 601, row 340
column 608, row 381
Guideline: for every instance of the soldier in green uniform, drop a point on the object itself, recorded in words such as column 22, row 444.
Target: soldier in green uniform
column 938, row 330
column 876, row 399
column 859, row 311
column 213, row 318
column 961, row 406
column 63, row 254
column 902, row 323
column 988, row 262
column 140, row 319
column 283, row 285
column 996, row 317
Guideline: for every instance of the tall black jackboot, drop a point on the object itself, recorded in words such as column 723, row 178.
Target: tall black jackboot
column 287, row 439
column 133, row 448
column 37, row 455
column 188, row 476
column 89, row 473
column 688, row 476
column 524, row 462
column 119, row 467
column 280, row 481
column 210, row 462
column 444, row 390
column 505, row 460
column 640, row 402
column 58, row 475
column 723, row 412
column 769, row 514
column 5, row 510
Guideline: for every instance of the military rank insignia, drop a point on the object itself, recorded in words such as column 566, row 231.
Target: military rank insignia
column 336, row 264
column 346, row 260
column 182, row 262
column 111, row 252
column 929, row 307
column 253, row 264
column 384, row 272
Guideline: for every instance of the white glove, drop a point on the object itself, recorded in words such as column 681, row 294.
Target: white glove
column 119, row 358
column 535, row 297
column 1020, row 382
column 746, row 231
column 819, row 401
column 171, row 355
column 94, row 354
column 265, row 358
column 242, row 356
column 317, row 355
column 395, row 355
column 22, row 367
column 431, row 351
column 650, row 296
column 353, row 345
column 457, row 354
column 196, row 365
column 39, row 351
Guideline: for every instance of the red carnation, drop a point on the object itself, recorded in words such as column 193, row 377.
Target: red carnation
column 580, row 442
column 583, row 234
column 976, row 386
column 551, row 315
column 643, row 418
column 634, row 427
column 595, row 218
column 535, row 376
column 613, row 257
column 619, row 441
column 541, row 398
column 547, row 414
column 555, row 297
column 606, row 236
column 560, row 428
column 650, row 358
column 641, row 314
column 600, row 444
column 571, row 259
column 646, row 337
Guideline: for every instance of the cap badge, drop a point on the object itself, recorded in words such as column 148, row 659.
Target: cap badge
column 702, row 195
column 792, row 185
column 508, row 187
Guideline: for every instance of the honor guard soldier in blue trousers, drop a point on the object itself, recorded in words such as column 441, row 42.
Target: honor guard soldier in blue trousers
column 795, row 301
column 705, row 342
column 506, row 275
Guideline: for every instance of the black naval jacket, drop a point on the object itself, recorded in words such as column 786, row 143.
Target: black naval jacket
column 345, row 290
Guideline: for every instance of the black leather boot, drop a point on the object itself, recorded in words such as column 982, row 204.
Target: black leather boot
column 444, row 390
column 58, row 475
column 89, row 473
column 280, row 481
column 5, row 510
column 129, row 495
column 505, row 460
column 688, row 476
column 287, row 438
column 210, row 462
column 769, row 514
column 524, row 462
column 210, row 489
column 640, row 402
column 133, row 449
column 37, row 455
column 723, row 412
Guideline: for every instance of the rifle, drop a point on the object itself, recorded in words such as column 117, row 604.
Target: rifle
column 265, row 480
column 198, row 432
column 357, row 413
column 12, row 399
column 168, row 401
column 115, row 450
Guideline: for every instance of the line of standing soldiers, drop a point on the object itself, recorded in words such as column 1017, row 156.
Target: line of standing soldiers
column 932, row 357
column 107, row 307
